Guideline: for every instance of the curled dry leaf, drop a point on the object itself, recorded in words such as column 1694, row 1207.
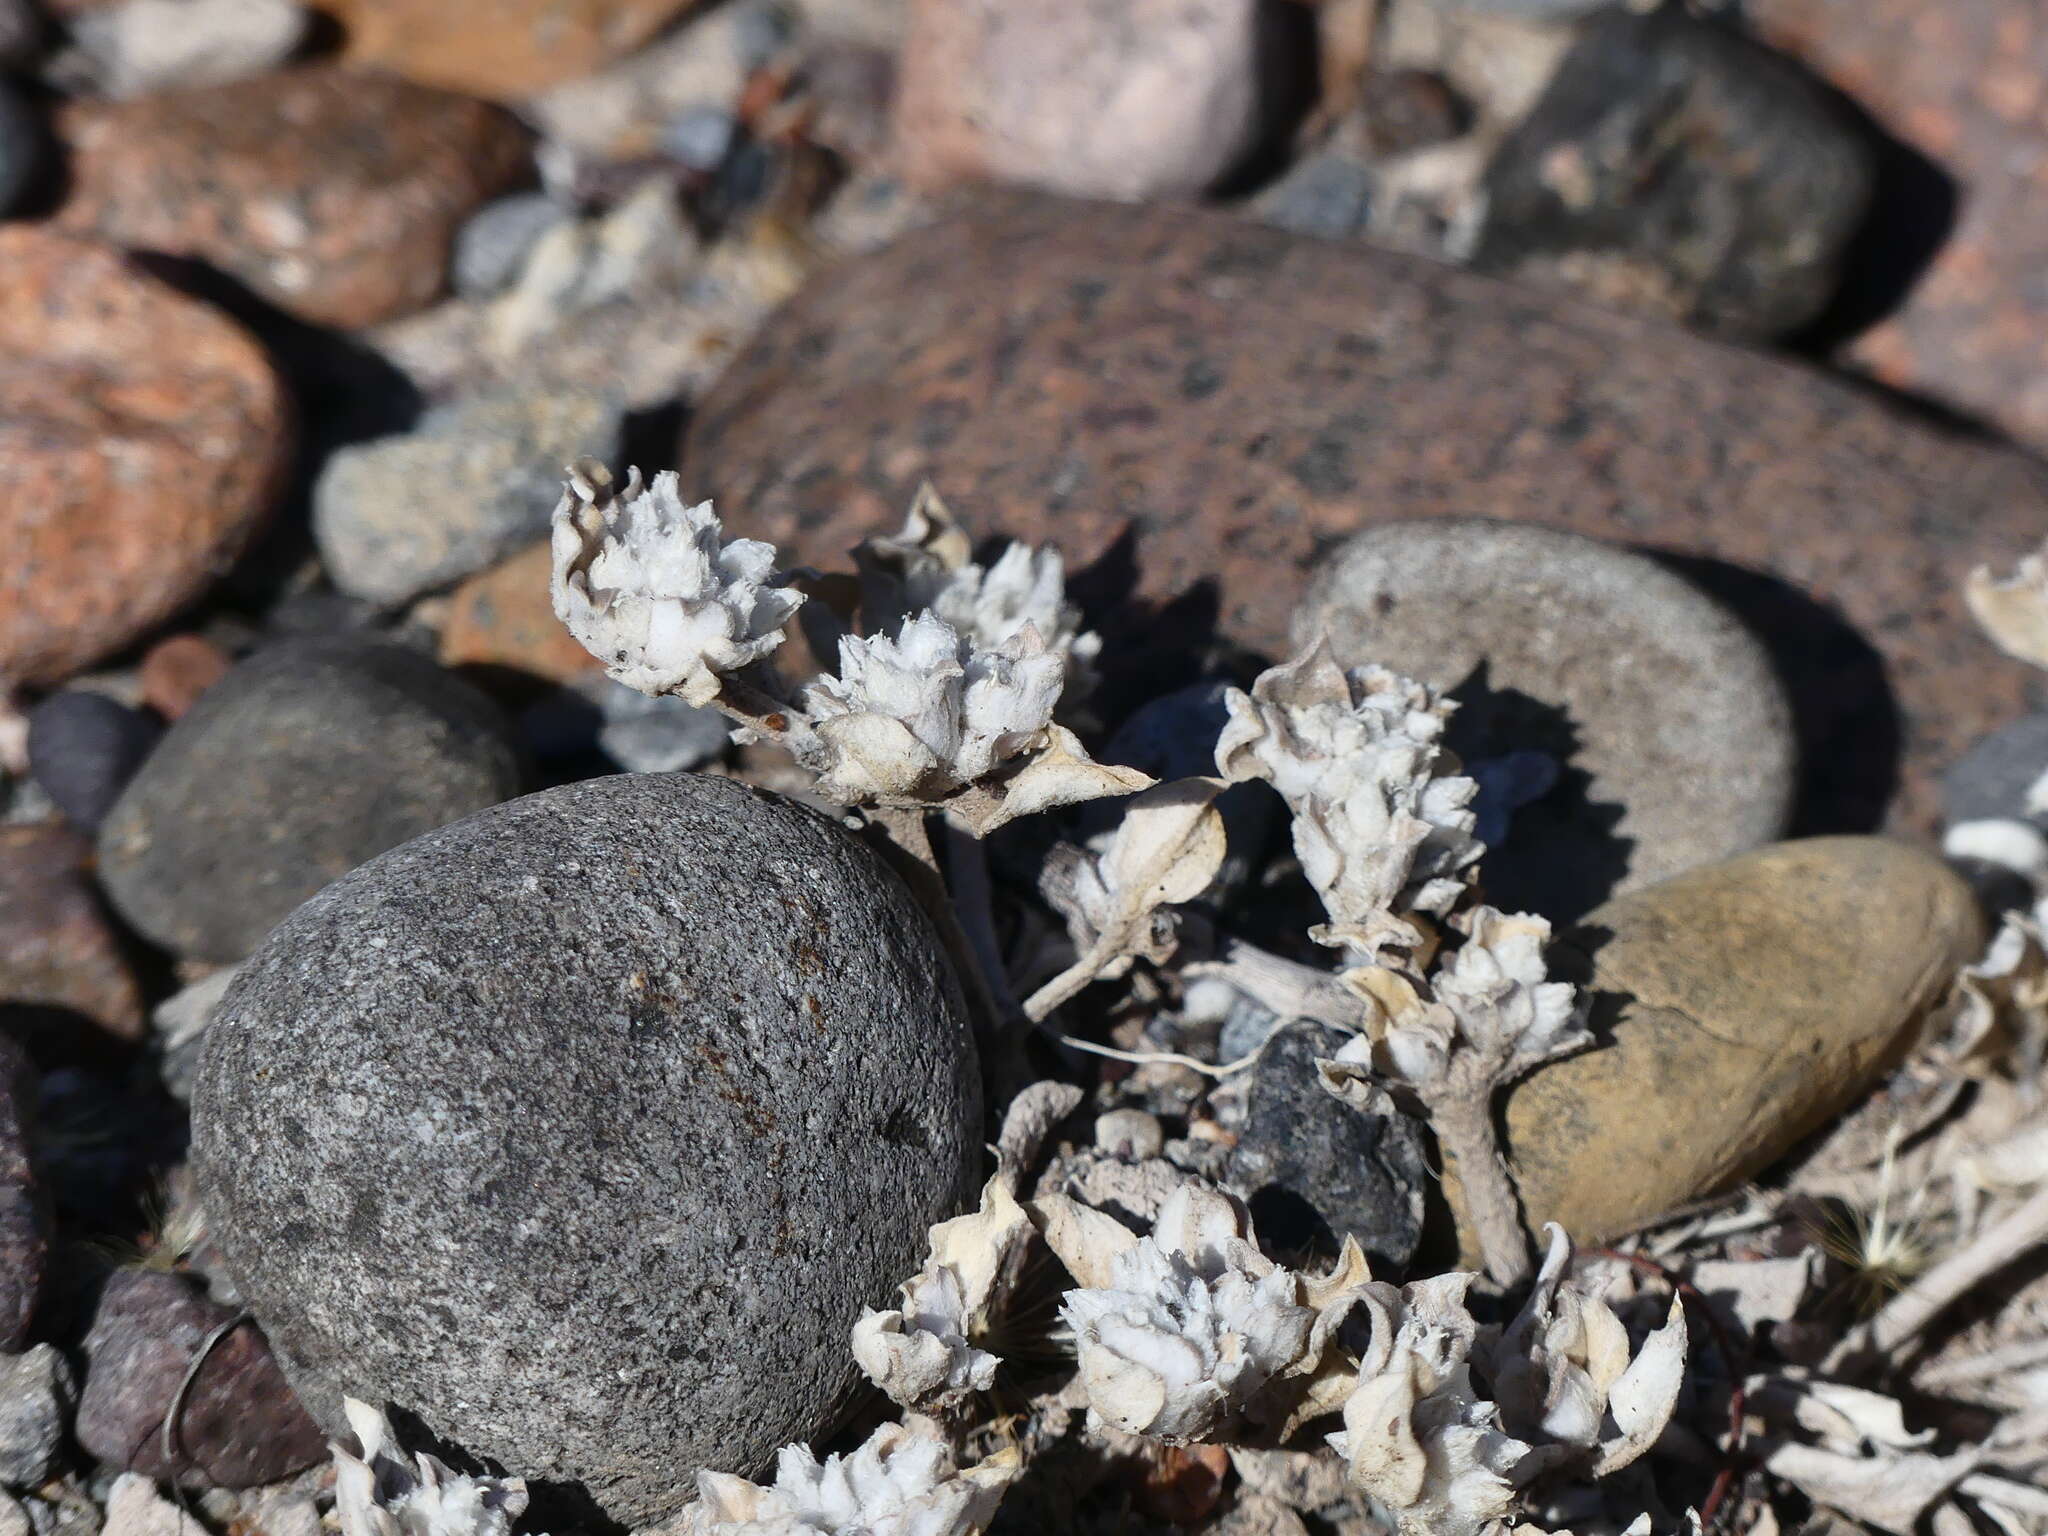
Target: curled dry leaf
column 1166, row 850
column 1382, row 819
column 2013, row 610
column 896, row 1484
column 1890, row 1490
column 1028, row 1122
column 1564, row 1378
column 654, row 590
column 380, row 1493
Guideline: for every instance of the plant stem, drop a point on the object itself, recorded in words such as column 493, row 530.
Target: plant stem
column 1464, row 1127
column 974, row 903
column 906, row 843
column 1069, row 982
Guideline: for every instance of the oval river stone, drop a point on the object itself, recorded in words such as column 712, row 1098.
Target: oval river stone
column 583, row 1129
column 1737, row 1008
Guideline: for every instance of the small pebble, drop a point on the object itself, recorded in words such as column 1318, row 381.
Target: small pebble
column 1327, row 194
column 649, row 735
column 37, row 1394
column 136, row 1508
column 83, row 748
column 138, row 46
column 238, row 1424
column 177, row 670
column 1129, row 1133
column 700, row 137
column 495, row 241
column 1998, row 776
column 64, row 982
column 21, row 36
column 402, row 515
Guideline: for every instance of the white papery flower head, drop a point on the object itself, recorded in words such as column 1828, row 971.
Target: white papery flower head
column 380, row 1493
column 926, row 713
column 1382, row 820
column 896, row 1484
column 1195, row 1322
column 654, row 590
column 925, row 565
column 919, row 1352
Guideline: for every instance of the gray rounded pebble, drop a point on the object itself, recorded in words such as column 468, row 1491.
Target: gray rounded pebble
column 83, row 747
column 399, row 516
column 24, row 146
column 1990, row 782
column 37, row 1394
column 305, row 760
column 583, row 1129
column 657, row 735
column 494, row 243
column 1665, row 713
column 700, row 137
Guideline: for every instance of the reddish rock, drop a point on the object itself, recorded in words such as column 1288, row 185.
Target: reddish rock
column 1210, row 404
column 179, row 668
column 498, row 48
column 238, row 1426
column 1100, row 98
column 142, row 436
column 1966, row 85
column 504, row 619
column 59, row 963
column 333, row 193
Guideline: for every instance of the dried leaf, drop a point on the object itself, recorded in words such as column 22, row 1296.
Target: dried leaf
column 1890, row 1491
column 2013, row 610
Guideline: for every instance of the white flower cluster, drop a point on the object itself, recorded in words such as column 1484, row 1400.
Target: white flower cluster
column 1382, row 820
column 654, row 589
column 896, row 1484
column 379, row 1493
column 923, row 715
column 1195, row 1323
column 1494, row 1014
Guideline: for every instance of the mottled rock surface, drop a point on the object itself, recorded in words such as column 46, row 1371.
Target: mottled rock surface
column 62, row 973
column 24, row 1204
column 476, row 480
column 1103, row 98
column 307, row 759
column 502, row 48
column 177, row 670
column 1964, row 88
column 239, row 1425
column 142, row 436
column 1314, row 1171
column 1676, row 167
column 585, row 1127
column 1212, row 404
column 1673, row 737
column 505, row 618
column 333, row 193
column 37, row 1394
column 1737, row 1007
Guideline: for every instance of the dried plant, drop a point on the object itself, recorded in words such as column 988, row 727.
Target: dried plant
column 377, row 1492
column 2013, row 609
column 896, row 1484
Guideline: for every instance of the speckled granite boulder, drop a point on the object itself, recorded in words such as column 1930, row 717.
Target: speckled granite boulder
column 584, row 1128
column 1231, row 399
column 305, row 760
column 1671, row 732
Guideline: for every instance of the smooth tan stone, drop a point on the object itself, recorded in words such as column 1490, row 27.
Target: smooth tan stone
column 1739, row 1006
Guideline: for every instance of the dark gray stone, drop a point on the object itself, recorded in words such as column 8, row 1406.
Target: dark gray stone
column 1672, row 732
column 24, row 145
column 583, row 1130
column 37, row 1394
column 1991, row 780
column 1675, row 166
column 83, row 748
column 657, row 735
column 24, row 1202
column 302, row 762
column 238, row 1424
column 1313, row 1170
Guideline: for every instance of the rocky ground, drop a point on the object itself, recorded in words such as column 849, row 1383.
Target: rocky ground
column 1655, row 382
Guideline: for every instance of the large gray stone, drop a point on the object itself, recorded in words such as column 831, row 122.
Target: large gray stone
column 305, row 760
column 584, row 1128
column 1668, row 723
